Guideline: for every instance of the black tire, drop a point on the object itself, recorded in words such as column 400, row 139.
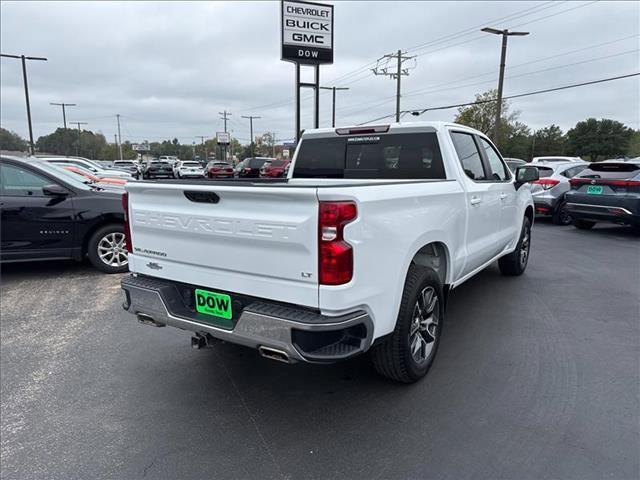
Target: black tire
column 516, row 262
column 583, row 224
column 394, row 358
column 94, row 244
column 561, row 216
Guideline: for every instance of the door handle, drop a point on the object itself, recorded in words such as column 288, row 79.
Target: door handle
column 475, row 200
column 503, row 196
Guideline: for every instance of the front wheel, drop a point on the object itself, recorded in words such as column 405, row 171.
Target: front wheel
column 516, row 262
column 107, row 250
column 408, row 353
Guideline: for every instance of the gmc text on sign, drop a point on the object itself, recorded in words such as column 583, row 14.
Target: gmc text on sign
column 307, row 32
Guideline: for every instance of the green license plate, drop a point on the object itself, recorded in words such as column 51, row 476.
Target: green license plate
column 214, row 304
column 595, row 189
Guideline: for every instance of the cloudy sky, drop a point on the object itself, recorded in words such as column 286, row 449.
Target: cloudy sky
column 169, row 67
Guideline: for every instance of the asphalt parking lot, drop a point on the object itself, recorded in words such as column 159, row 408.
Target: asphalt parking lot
column 536, row 377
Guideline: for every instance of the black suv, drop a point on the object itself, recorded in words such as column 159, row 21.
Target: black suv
column 157, row 169
column 250, row 167
column 48, row 214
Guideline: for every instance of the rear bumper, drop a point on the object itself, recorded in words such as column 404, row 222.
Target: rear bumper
column 603, row 213
column 302, row 334
column 545, row 203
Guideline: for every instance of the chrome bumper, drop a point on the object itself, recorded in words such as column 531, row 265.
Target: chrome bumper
column 261, row 323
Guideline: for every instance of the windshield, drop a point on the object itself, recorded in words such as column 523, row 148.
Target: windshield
column 190, row 164
column 69, row 177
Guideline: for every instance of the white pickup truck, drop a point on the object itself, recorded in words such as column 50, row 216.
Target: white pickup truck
column 355, row 251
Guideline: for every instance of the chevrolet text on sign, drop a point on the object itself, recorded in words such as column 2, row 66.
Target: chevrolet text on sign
column 307, row 32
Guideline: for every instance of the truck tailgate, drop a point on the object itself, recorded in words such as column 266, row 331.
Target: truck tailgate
column 250, row 239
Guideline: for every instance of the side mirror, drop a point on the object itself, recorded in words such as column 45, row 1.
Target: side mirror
column 526, row 175
column 55, row 190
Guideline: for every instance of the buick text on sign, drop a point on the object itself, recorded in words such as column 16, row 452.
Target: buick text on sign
column 307, row 32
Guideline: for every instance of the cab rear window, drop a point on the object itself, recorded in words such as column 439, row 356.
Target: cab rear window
column 390, row 156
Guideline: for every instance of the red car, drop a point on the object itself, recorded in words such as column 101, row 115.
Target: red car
column 274, row 168
column 219, row 170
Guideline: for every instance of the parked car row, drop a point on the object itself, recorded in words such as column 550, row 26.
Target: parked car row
column 50, row 212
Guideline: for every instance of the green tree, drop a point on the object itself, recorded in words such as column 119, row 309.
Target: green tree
column 517, row 141
column 598, row 139
column 633, row 149
column 482, row 116
column 548, row 141
column 11, row 141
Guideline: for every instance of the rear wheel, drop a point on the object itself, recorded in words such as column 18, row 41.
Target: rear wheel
column 408, row 353
column 107, row 250
column 561, row 216
column 516, row 262
column 583, row 224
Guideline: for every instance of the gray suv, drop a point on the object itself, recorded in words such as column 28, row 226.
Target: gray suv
column 549, row 190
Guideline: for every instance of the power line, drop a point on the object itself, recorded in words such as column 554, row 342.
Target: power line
column 417, row 112
column 435, row 89
column 527, row 94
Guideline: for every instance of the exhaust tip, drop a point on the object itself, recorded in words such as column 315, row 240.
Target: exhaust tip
column 274, row 354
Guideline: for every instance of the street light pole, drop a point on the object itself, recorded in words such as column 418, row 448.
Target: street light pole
column 333, row 110
column 26, row 92
column 64, row 113
column 503, row 58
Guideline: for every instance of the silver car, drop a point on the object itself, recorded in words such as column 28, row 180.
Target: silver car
column 549, row 190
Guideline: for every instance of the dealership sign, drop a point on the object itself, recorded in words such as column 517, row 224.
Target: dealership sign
column 140, row 147
column 307, row 32
column 223, row 138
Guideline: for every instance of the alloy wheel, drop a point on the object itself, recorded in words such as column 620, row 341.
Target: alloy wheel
column 112, row 250
column 424, row 325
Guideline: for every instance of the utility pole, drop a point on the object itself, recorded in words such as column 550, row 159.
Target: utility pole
column 503, row 57
column 250, row 117
column 333, row 110
column 26, row 92
column 204, row 148
column 64, row 113
column 225, row 114
column 79, row 133
column 382, row 68
column 119, row 136
column 273, row 143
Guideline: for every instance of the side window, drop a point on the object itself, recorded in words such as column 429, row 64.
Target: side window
column 499, row 171
column 469, row 156
column 19, row 182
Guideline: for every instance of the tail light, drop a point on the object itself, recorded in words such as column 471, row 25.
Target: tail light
column 335, row 256
column 547, row 183
column 127, row 228
column 576, row 182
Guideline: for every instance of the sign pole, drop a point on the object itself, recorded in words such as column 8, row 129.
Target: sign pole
column 306, row 38
column 297, row 102
column 316, row 92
